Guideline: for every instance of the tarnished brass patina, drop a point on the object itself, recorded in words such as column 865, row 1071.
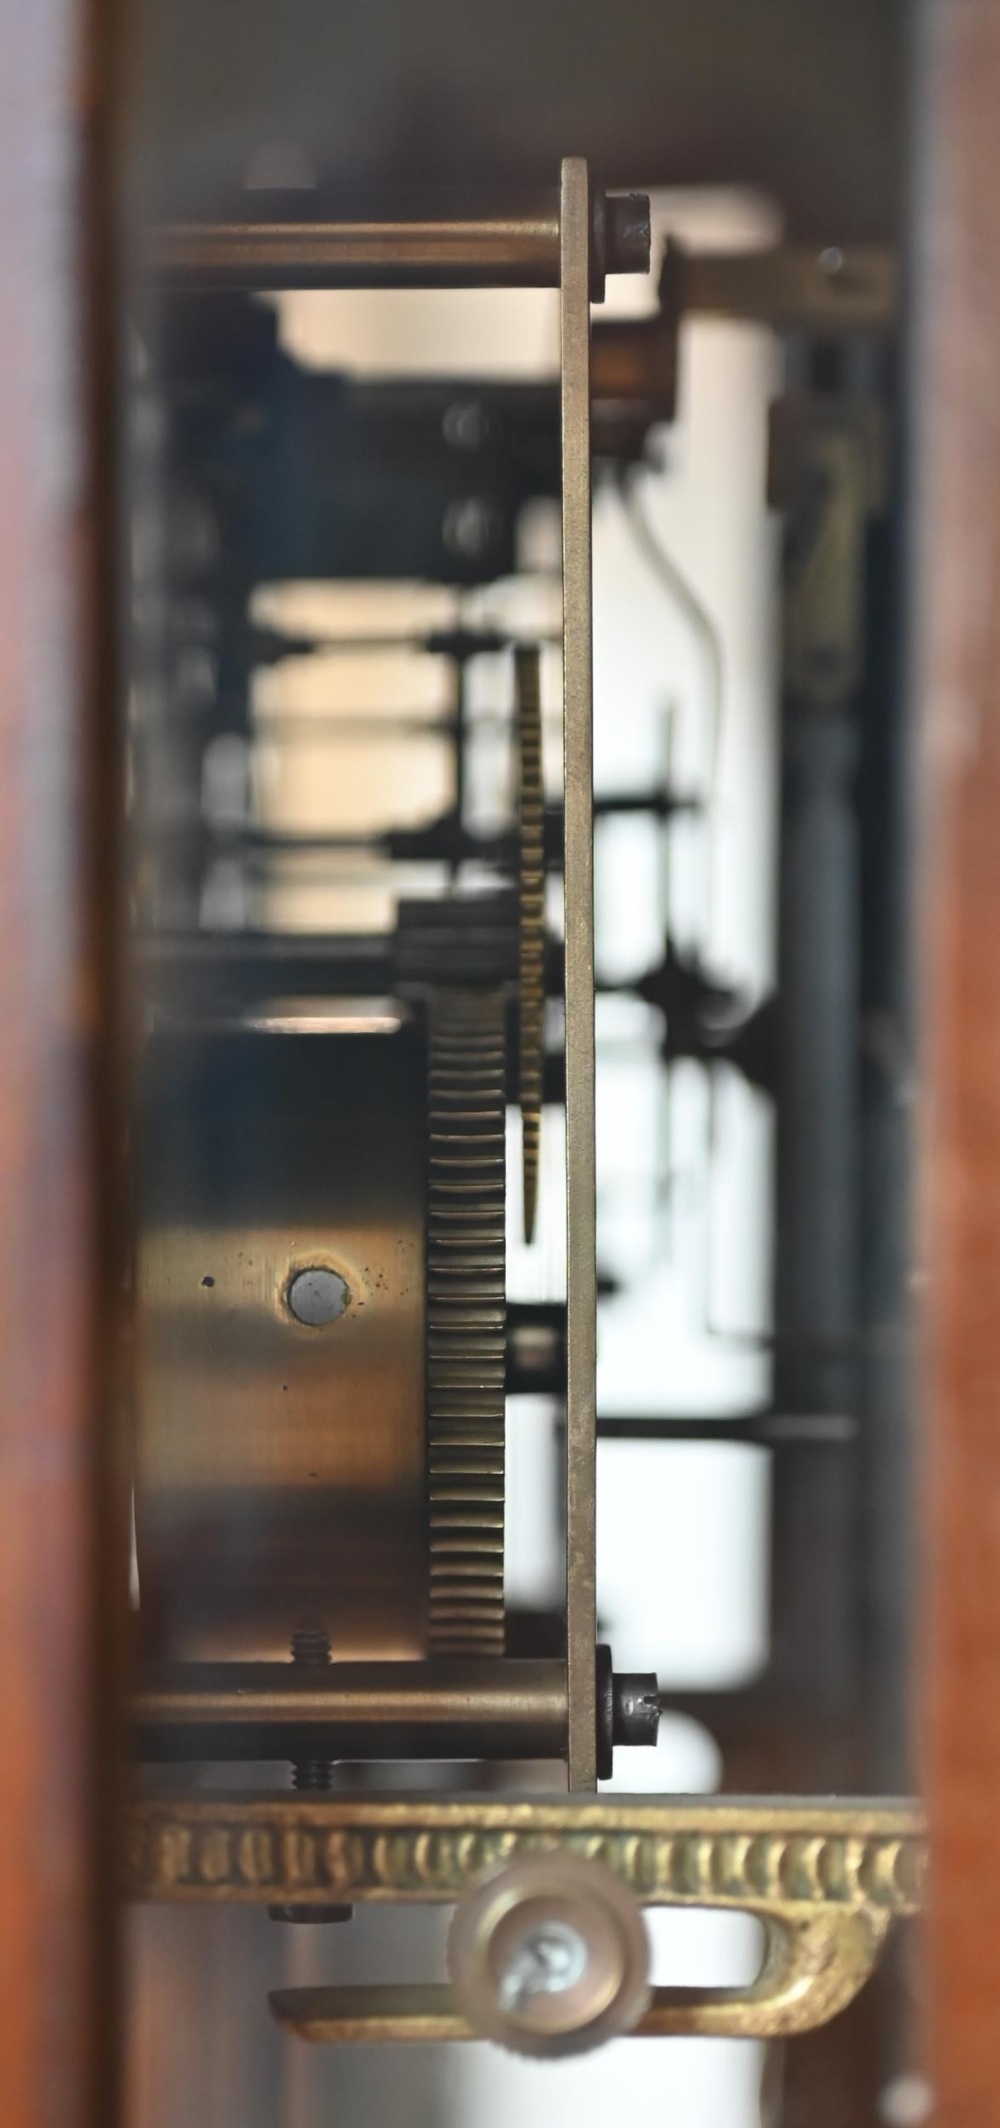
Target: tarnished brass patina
column 825, row 1878
column 578, row 873
column 281, row 1462
column 479, row 1707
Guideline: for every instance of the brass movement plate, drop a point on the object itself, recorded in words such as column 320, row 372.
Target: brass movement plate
column 280, row 1468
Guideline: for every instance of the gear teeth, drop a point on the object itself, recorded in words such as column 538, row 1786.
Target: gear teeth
column 527, row 667
column 466, row 1320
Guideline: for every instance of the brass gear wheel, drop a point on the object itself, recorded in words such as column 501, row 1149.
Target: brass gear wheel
column 466, row 1320
column 531, row 885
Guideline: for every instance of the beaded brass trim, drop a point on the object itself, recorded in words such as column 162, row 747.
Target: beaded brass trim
column 346, row 1848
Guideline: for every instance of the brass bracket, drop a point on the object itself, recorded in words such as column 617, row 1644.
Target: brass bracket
column 813, row 1967
column 824, row 1878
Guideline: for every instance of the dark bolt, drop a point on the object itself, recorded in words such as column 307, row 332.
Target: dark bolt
column 635, row 1707
column 627, row 232
column 628, row 1710
column 311, row 1651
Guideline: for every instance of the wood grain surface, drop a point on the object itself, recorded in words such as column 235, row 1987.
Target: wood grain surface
column 55, row 1959
column 957, row 613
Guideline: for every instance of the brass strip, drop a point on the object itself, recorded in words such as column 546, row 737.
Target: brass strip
column 581, row 1185
column 368, row 2016
column 803, row 287
column 814, row 1965
column 774, row 1858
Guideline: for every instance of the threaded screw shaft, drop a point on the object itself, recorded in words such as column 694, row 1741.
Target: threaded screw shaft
column 311, row 1651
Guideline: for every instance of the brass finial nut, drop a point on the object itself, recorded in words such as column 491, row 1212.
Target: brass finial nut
column 550, row 1957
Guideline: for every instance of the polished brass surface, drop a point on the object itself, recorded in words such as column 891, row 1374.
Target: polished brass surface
column 581, row 1183
column 484, row 251
column 531, row 985
column 281, row 1467
column 550, row 1956
column 466, row 1319
column 471, row 1708
column 825, row 1878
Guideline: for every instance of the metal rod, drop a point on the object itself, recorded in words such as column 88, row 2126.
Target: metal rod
column 262, row 646
column 497, row 251
column 470, row 1708
column 581, row 1181
column 332, row 724
column 463, row 251
column 764, row 1429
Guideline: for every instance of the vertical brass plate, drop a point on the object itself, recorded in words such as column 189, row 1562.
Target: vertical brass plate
column 581, row 1187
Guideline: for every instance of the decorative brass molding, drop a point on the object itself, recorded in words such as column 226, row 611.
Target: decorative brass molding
column 691, row 1853
column 825, row 1878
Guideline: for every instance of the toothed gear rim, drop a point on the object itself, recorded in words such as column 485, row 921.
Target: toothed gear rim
column 532, row 922
column 466, row 1320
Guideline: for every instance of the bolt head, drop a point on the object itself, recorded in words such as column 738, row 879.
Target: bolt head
column 550, row 1957
column 316, row 1296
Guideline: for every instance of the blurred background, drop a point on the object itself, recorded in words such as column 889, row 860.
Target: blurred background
column 346, row 735
column 296, row 773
